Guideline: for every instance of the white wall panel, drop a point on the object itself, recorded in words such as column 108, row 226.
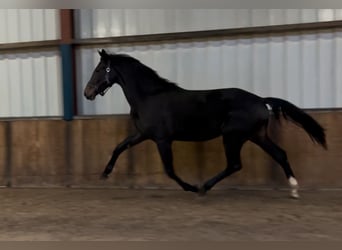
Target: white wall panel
column 301, row 68
column 276, row 65
column 326, row 65
column 23, row 25
column 309, row 68
column 30, row 85
column 337, row 73
column 120, row 22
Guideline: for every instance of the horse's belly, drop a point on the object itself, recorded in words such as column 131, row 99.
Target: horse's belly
column 196, row 134
column 195, row 138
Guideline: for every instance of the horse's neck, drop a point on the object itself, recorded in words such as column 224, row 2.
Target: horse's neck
column 137, row 90
column 132, row 95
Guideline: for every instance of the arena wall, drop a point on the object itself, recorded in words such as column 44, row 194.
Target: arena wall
column 56, row 153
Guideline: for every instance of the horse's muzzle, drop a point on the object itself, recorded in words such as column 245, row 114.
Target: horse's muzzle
column 90, row 93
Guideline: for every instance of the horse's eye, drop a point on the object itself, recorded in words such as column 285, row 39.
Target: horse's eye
column 107, row 69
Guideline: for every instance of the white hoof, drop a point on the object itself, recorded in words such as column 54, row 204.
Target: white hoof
column 294, row 194
column 294, row 187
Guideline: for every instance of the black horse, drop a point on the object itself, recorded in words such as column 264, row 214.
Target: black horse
column 164, row 112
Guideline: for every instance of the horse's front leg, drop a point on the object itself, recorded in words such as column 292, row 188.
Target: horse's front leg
column 130, row 141
column 165, row 152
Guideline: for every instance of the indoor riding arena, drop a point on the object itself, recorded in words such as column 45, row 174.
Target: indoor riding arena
column 55, row 143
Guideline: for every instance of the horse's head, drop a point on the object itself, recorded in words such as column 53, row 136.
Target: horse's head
column 103, row 77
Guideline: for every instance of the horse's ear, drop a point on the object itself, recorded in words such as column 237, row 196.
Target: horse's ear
column 103, row 53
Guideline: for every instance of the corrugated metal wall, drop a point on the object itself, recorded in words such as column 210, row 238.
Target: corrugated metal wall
column 120, row 22
column 302, row 68
column 23, row 25
column 30, row 82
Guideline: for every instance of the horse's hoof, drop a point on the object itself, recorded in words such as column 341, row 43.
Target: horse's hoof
column 202, row 191
column 103, row 176
column 294, row 195
column 191, row 188
column 194, row 189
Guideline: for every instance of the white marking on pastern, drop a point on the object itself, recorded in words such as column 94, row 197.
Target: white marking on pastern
column 294, row 187
column 293, row 182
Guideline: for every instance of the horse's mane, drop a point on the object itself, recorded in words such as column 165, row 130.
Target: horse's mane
column 145, row 73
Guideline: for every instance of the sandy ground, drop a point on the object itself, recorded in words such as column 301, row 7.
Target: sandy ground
column 112, row 214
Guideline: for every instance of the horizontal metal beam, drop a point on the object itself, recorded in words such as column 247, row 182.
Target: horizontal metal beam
column 219, row 33
column 177, row 36
column 24, row 46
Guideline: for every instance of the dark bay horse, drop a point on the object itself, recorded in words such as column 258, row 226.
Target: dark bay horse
column 164, row 112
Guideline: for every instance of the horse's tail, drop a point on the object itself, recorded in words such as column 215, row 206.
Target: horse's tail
column 299, row 117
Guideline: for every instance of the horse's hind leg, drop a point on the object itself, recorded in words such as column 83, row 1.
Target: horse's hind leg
column 279, row 155
column 165, row 152
column 232, row 145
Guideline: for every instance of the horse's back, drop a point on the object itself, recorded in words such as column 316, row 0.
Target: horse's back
column 215, row 104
